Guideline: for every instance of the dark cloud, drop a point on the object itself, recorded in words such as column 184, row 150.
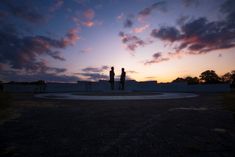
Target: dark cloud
column 156, row 6
column 26, row 12
column 94, row 73
column 95, row 69
column 131, row 41
column 156, row 58
column 23, row 52
column 188, row 3
column 94, row 76
column 57, row 4
column 166, row 33
column 228, row 8
column 128, row 23
column 3, row 14
column 199, row 36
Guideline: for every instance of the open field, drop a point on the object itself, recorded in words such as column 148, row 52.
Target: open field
column 178, row 127
column 229, row 101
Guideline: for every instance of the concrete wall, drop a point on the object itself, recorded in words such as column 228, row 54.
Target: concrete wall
column 85, row 86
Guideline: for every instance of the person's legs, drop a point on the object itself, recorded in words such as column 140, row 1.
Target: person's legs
column 123, row 85
column 112, row 85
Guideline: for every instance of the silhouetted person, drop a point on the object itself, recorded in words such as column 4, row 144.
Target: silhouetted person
column 122, row 79
column 111, row 78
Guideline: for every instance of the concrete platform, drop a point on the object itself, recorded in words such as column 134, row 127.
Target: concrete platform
column 143, row 96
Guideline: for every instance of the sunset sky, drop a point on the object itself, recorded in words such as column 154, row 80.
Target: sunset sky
column 71, row 40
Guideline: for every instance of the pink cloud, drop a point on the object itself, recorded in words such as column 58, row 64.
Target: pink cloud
column 88, row 23
column 140, row 29
column 71, row 37
column 89, row 14
column 120, row 17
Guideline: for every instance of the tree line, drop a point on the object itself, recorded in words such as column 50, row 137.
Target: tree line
column 209, row 77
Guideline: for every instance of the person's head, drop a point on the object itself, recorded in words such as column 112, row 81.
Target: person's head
column 123, row 69
column 112, row 68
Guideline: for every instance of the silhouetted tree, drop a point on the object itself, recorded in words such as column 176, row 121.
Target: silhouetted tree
column 233, row 79
column 227, row 78
column 192, row 80
column 178, row 80
column 189, row 80
column 209, row 76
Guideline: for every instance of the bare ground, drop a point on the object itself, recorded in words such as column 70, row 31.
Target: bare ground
column 181, row 127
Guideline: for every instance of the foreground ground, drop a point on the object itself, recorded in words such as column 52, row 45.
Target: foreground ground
column 182, row 127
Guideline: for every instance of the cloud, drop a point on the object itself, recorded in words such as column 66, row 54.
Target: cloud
column 3, row 14
column 199, row 36
column 86, row 20
column 94, row 73
column 86, row 50
column 128, row 23
column 88, row 23
column 24, row 52
column 156, row 58
column 188, row 3
column 89, row 14
column 161, row 6
column 166, row 33
column 95, row 69
column 120, row 17
column 131, row 41
column 140, row 29
column 26, row 12
column 71, row 37
column 57, row 4
column 94, row 76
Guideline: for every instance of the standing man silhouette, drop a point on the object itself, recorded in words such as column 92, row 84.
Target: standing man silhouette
column 122, row 79
column 111, row 78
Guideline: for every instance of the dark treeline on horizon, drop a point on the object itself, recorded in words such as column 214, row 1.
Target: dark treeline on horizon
column 206, row 77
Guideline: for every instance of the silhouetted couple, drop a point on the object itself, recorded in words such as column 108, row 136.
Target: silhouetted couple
column 122, row 79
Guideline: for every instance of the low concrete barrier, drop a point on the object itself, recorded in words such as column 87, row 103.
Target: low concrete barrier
column 85, row 86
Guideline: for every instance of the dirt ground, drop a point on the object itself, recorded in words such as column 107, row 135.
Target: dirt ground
column 177, row 127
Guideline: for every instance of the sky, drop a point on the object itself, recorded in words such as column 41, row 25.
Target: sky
column 71, row 40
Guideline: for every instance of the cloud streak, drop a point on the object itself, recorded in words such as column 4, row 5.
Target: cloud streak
column 140, row 29
column 156, row 58
column 161, row 6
